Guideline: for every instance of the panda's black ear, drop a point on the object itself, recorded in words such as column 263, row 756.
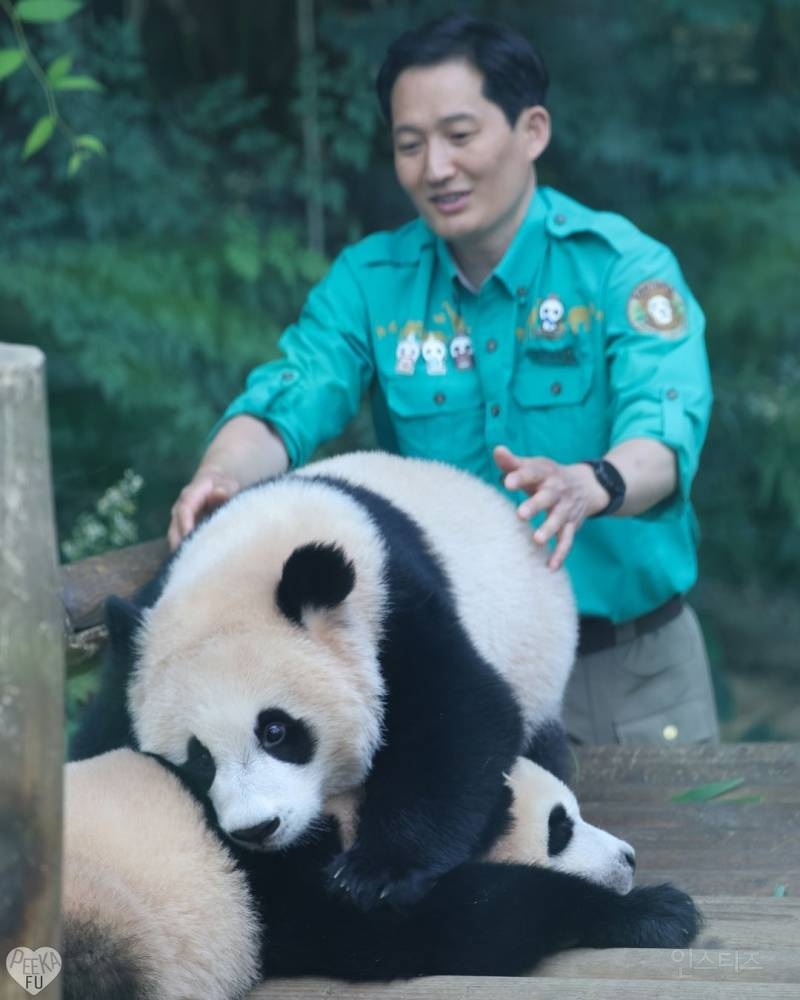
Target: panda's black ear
column 314, row 576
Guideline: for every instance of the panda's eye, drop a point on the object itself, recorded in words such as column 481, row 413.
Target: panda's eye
column 274, row 734
column 285, row 737
column 559, row 832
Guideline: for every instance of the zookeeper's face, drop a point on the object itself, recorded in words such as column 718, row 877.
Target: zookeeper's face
column 468, row 172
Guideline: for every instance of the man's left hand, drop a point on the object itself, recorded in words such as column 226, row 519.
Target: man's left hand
column 568, row 493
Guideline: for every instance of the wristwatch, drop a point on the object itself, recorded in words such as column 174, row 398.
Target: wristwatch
column 609, row 477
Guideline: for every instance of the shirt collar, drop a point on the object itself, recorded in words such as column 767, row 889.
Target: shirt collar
column 521, row 260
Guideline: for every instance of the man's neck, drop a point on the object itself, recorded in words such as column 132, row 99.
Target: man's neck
column 476, row 260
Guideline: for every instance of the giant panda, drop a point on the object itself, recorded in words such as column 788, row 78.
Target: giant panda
column 369, row 620
column 159, row 906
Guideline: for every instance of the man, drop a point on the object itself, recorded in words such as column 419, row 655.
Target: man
column 521, row 336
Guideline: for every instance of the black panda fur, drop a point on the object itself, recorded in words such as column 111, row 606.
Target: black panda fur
column 480, row 919
column 452, row 724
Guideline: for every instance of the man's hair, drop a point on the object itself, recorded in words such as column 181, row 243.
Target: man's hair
column 514, row 75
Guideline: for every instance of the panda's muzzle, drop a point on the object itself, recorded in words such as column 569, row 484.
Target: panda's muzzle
column 254, row 836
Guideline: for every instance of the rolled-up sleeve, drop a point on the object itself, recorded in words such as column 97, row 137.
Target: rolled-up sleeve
column 659, row 379
column 310, row 393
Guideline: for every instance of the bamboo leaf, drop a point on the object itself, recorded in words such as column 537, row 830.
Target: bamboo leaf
column 702, row 793
column 10, row 61
column 59, row 68
column 46, row 11
column 779, row 890
column 78, row 83
column 75, row 162
column 38, row 136
column 92, row 143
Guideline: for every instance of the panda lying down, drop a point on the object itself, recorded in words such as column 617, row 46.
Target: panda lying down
column 158, row 906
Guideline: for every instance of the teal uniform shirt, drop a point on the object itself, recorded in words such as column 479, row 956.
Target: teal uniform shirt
column 584, row 335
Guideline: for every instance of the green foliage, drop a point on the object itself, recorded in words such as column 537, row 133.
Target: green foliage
column 110, row 525
column 158, row 279
column 56, row 78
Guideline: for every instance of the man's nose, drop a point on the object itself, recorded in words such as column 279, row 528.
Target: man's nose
column 439, row 163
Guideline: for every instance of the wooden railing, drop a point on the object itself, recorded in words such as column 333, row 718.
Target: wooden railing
column 86, row 584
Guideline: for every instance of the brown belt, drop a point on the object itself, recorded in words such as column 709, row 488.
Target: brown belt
column 601, row 633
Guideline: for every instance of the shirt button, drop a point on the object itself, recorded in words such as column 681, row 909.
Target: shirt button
column 439, row 398
column 495, row 410
column 287, row 377
column 555, row 389
column 491, row 346
column 672, row 393
column 559, row 219
column 522, row 291
column 670, row 732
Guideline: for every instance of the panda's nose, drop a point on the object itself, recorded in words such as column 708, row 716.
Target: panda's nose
column 630, row 859
column 257, row 834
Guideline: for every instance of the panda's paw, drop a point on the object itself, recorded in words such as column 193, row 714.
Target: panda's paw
column 368, row 884
column 653, row 916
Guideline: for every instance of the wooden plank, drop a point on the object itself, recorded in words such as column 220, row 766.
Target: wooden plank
column 31, row 666
column 750, row 965
column 648, row 768
column 532, row 988
column 86, row 584
column 754, row 882
column 733, row 922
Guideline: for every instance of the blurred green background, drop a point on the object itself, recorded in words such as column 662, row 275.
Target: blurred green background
column 245, row 148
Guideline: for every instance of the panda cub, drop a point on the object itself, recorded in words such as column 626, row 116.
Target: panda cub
column 368, row 621
column 157, row 906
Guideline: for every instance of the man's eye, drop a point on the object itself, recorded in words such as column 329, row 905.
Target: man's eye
column 408, row 147
column 460, row 136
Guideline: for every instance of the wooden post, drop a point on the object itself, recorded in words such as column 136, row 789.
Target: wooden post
column 31, row 671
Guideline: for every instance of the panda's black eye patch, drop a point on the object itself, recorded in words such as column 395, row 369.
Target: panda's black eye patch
column 284, row 737
column 559, row 832
column 200, row 767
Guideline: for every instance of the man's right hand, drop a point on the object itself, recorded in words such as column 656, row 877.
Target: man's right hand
column 208, row 490
column 243, row 451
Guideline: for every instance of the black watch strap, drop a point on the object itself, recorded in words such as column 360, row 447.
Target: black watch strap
column 611, row 480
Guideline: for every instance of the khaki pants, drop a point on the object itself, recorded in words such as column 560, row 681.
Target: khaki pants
column 654, row 689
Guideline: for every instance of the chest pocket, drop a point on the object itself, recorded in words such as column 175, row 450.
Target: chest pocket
column 436, row 416
column 553, row 373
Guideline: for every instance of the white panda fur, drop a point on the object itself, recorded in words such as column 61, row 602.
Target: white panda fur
column 156, row 907
column 584, row 850
column 216, row 647
column 149, row 894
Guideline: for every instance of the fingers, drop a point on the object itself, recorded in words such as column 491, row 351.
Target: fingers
column 196, row 500
column 559, row 491
column 505, row 459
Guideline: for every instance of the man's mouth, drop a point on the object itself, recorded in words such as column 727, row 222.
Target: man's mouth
column 450, row 202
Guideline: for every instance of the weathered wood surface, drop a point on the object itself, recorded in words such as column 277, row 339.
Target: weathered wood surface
column 86, row 584
column 540, row 988
column 731, row 856
column 31, row 667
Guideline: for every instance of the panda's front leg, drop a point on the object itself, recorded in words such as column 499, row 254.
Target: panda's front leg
column 435, row 796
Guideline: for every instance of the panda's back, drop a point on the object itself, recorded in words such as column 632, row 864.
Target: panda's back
column 519, row 614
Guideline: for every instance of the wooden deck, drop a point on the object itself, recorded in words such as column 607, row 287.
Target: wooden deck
column 734, row 854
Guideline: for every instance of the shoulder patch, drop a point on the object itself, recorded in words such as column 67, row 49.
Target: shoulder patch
column 656, row 307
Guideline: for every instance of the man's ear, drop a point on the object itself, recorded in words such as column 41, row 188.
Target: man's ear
column 535, row 125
